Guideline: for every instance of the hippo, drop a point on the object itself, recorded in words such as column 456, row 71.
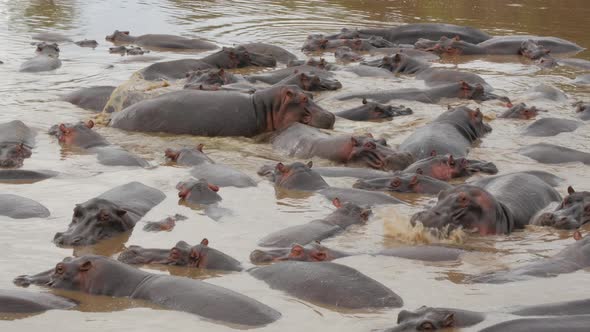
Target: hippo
column 300, row 177
column 136, row 51
column 167, row 224
column 550, row 127
column 207, row 113
column 311, row 82
column 578, row 323
column 554, row 154
column 447, row 167
column 346, row 54
column 404, row 183
column 577, row 307
column 371, row 111
column 87, row 43
column 582, row 79
column 328, row 284
column 461, row 90
column 164, row 42
column 350, row 172
column 227, row 58
column 112, row 213
column 198, row 192
column 279, row 53
column 583, row 111
column 207, row 77
column 495, row 206
column 19, row 302
column 317, row 42
column 315, row 63
column 452, row 132
column 512, row 44
column 18, row 176
column 545, row 91
column 521, row 111
column 365, row 151
column 93, row 98
column 572, row 213
column 410, row 33
column 16, row 142
column 276, row 76
column 430, row 319
column 51, row 37
column 108, row 277
column 205, row 167
column 46, row 58
column 183, row 254
column 399, row 63
column 345, row 215
column 18, row 207
column 368, row 71
column 81, row 135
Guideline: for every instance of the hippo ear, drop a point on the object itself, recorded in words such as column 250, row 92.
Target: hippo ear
column 397, row 57
column 281, row 168
column 90, row 124
column 433, row 153
column 336, row 202
column 120, row 212
column 365, row 101
column 419, row 171
column 303, row 77
column 577, row 235
column 221, row 72
column 309, row 164
column 369, row 135
column 63, row 128
column 171, row 154
column 449, row 320
column 464, row 85
column 205, row 242
column 85, row 266
column 125, row 32
column 319, row 256
column 213, row 187
column 365, row 214
column 570, row 190
column 200, row 147
column 456, row 38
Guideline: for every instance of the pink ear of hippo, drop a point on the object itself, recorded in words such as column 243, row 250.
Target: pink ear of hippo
column 90, row 124
column 336, row 202
column 62, row 128
column 200, row 147
column 577, row 235
column 213, row 187
column 281, row 168
column 205, row 242
column 570, row 190
column 309, row 164
column 85, row 266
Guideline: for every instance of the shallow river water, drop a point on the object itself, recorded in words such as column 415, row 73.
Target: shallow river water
column 26, row 247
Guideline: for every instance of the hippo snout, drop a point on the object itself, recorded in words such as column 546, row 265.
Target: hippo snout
column 557, row 221
column 259, row 256
column 22, row 281
column 323, row 119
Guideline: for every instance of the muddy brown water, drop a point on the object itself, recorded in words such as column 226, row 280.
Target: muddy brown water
column 26, row 247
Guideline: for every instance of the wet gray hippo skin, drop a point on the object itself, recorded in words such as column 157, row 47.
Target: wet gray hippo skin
column 551, row 127
column 112, row 213
column 18, row 207
column 400, row 63
column 167, row 224
column 25, row 176
column 183, row 254
column 447, row 167
column 81, row 135
column 461, row 90
column 227, row 58
column 554, row 154
column 521, row 111
column 500, row 205
column 99, row 275
column 563, row 323
column 276, row 76
column 583, row 111
column 453, row 132
column 346, row 215
column 160, row 41
column 512, row 44
column 346, row 55
column 572, row 258
column 404, row 183
column 207, row 113
column 349, row 172
column 328, row 284
column 370, row 111
column 46, row 58
column 52, row 37
column 16, row 142
column 363, row 151
column 579, row 307
column 93, row 99
column 318, row 42
column 572, row 213
column 279, row 53
column 582, row 79
column 410, row 33
column 210, row 77
column 87, row 43
column 545, row 91
column 17, row 301
column 205, row 168
column 431, row 319
column 311, row 82
column 198, row 192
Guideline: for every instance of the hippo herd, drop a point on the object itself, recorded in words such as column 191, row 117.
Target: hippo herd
column 204, row 98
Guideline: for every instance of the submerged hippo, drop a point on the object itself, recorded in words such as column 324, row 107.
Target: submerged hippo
column 81, row 135
column 410, row 33
column 554, row 154
column 311, row 82
column 404, row 183
column 563, row 323
column 19, row 302
column 452, row 132
column 87, row 43
column 521, row 111
column 493, row 206
column 431, row 319
column 329, row 284
column 371, row 111
column 512, row 44
column 227, row 58
column 279, row 53
column 205, row 168
column 182, row 254
column 198, row 192
column 200, row 79
column 107, row 277
column 167, row 224
column 551, row 127
column 18, row 207
column 365, row 151
column 207, row 113
column 160, row 41
column 277, row 76
column 16, row 142
column 93, row 98
column 25, row 176
column 46, row 58
column 346, row 54
column 346, row 215
column 577, row 307
column 112, row 213
column 572, row 213
column 447, row 167
column 318, row 42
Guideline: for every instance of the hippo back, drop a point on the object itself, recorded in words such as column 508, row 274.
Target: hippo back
column 441, row 138
column 134, row 197
column 16, row 132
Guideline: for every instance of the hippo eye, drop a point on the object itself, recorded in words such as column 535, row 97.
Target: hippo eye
column 426, row 326
column 396, row 182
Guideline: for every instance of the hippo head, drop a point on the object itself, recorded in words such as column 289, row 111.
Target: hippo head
column 444, row 45
column 379, row 42
column 532, row 50
column 425, row 44
column 13, row 155
column 374, row 153
column 314, row 42
column 184, row 254
column 198, row 192
column 478, row 93
column 314, row 252
column 188, row 156
column 377, row 111
column 93, row 221
column 546, row 62
column 290, row 104
column 298, row 176
column 402, row 182
column 521, row 111
column 50, row 50
column 136, row 255
column 239, row 57
column 353, row 44
column 573, row 212
column 312, row 82
column 345, row 53
column 424, row 319
column 468, row 207
column 393, row 63
column 468, row 120
column 208, row 77
column 118, row 36
column 320, row 63
column 79, row 134
column 446, row 167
